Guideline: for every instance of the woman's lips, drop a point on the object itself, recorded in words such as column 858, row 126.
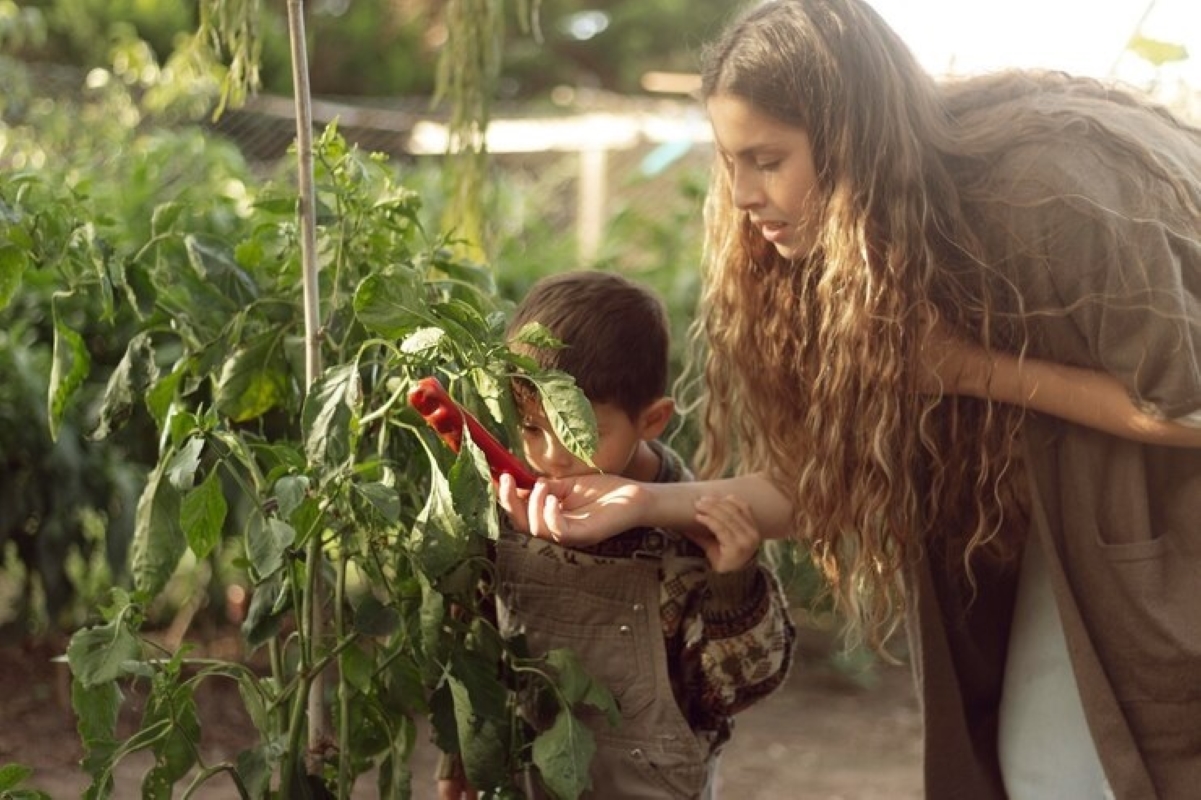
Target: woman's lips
column 774, row 232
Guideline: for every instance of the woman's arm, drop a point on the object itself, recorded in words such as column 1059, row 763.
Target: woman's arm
column 590, row 508
column 1083, row 396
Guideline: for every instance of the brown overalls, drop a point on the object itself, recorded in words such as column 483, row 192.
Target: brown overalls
column 609, row 615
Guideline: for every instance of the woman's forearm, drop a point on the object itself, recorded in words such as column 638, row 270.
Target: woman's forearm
column 673, row 505
column 1083, row 396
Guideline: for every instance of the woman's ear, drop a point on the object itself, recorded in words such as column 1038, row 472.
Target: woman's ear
column 654, row 418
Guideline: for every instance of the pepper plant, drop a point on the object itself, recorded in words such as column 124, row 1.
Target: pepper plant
column 357, row 529
column 246, row 455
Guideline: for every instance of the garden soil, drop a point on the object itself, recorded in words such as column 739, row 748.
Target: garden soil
column 822, row 736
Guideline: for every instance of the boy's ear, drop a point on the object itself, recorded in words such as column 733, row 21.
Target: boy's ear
column 654, row 418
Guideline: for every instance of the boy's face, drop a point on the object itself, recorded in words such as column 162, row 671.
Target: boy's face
column 618, row 438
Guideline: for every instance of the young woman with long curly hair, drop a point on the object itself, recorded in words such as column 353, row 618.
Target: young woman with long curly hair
column 950, row 336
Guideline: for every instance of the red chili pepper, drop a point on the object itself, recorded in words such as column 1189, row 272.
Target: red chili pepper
column 447, row 417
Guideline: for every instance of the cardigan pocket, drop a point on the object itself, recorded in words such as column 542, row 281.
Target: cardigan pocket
column 1144, row 612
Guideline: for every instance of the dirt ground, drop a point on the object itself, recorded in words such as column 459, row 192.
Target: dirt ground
column 820, row 737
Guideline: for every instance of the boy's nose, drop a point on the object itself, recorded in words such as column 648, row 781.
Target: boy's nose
column 556, row 458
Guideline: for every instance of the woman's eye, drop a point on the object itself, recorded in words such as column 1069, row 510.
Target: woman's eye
column 766, row 166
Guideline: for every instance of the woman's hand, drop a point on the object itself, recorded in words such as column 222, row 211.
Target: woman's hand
column 733, row 539
column 574, row 511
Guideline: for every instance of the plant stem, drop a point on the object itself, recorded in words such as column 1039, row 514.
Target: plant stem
column 345, row 779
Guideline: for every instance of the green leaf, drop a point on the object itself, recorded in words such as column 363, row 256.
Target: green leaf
column 423, row 342
column 577, row 686
column 170, row 702
column 473, row 493
column 203, row 515
column 442, row 719
column 256, row 767
column 214, row 264
column 255, row 379
column 462, row 319
column 162, row 394
column 182, row 466
column 431, row 617
column 96, row 711
column 98, row 654
column 158, row 539
column 535, row 334
column 356, row 667
column 438, row 540
column 569, row 412
column 268, row 604
column 290, row 491
column 331, row 402
column 562, row 754
column 383, row 498
column 392, row 305
column 134, row 373
column 267, row 541
column 284, row 205
column 12, row 775
column 164, row 216
column 13, row 262
column 402, row 692
column 70, row 366
column 373, row 618
column 481, row 719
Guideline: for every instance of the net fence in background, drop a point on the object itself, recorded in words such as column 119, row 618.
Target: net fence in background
column 574, row 172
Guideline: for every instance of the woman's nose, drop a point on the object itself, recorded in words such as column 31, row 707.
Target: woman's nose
column 747, row 193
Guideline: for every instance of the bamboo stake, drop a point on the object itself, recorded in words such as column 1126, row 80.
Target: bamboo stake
column 312, row 615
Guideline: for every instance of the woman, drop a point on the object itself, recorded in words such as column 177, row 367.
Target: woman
column 952, row 340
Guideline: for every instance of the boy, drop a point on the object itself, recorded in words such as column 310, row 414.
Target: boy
column 682, row 638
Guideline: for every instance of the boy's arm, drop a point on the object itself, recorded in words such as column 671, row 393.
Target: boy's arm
column 745, row 644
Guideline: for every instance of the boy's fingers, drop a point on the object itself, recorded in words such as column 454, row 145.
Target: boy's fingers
column 535, row 504
column 722, row 519
column 512, row 502
column 702, row 538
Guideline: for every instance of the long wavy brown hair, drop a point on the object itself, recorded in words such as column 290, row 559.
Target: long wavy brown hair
column 809, row 364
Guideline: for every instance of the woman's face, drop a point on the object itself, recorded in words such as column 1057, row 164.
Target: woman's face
column 771, row 171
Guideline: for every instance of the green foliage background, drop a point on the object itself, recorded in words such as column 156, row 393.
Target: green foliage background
column 387, row 49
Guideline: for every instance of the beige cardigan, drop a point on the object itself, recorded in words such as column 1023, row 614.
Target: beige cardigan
column 1120, row 522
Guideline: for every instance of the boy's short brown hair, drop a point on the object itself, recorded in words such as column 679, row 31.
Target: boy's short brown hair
column 615, row 333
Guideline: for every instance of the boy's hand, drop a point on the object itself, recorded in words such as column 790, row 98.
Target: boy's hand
column 733, row 539
column 575, row 511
